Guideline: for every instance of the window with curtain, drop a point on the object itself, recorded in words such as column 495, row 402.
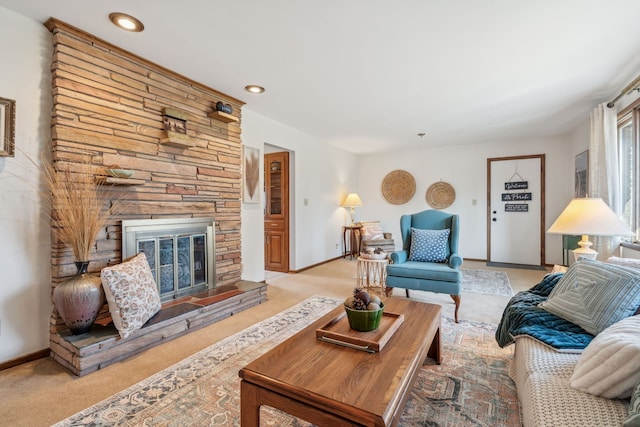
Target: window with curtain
column 628, row 152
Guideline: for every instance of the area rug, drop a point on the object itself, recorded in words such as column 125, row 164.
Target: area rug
column 471, row 387
column 486, row 282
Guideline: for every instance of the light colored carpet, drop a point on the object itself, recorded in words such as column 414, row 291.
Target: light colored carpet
column 471, row 387
column 56, row 394
column 486, row 282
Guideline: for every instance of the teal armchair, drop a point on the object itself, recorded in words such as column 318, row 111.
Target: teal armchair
column 433, row 263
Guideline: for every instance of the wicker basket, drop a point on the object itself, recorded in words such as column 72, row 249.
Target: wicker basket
column 398, row 187
column 441, row 195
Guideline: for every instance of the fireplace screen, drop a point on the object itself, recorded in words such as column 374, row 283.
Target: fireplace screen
column 180, row 253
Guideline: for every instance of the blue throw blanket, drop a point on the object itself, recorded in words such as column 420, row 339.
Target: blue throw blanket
column 522, row 316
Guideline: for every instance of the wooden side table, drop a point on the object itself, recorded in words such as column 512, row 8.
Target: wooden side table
column 372, row 274
column 351, row 235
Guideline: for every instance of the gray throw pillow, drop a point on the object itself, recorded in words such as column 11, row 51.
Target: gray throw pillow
column 595, row 295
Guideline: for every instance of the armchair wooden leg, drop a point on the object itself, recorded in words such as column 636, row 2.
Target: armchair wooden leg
column 388, row 291
column 407, row 290
column 456, row 299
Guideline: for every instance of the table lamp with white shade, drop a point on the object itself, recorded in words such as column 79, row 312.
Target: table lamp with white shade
column 588, row 216
column 352, row 201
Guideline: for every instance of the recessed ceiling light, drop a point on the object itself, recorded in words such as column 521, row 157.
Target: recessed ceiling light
column 126, row 22
column 254, row 89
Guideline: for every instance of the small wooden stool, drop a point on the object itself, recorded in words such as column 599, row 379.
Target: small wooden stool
column 372, row 274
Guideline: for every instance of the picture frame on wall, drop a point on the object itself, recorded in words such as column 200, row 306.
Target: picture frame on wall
column 581, row 180
column 7, row 127
column 251, row 175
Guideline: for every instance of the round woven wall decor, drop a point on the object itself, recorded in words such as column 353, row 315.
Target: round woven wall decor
column 440, row 195
column 398, row 187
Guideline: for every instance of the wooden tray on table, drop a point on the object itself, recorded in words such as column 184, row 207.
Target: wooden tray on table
column 338, row 331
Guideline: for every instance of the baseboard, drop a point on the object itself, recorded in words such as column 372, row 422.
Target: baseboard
column 24, row 359
column 484, row 260
column 300, row 270
column 520, row 266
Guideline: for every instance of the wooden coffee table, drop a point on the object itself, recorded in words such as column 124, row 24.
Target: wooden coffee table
column 332, row 385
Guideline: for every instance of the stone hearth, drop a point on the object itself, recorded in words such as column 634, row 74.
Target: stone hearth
column 102, row 346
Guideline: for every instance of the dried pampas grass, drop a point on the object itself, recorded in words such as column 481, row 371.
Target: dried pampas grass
column 80, row 206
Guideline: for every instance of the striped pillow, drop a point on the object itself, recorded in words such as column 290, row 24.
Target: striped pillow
column 595, row 295
column 610, row 365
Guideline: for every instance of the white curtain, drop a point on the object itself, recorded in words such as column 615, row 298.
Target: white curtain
column 604, row 172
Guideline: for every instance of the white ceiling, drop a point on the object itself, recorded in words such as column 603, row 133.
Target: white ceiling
column 369, row 75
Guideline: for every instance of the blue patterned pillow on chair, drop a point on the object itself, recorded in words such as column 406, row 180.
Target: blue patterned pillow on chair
column 429, row 245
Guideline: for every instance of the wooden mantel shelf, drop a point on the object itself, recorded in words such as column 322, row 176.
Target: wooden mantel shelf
column 178, row 140
column 223, row 117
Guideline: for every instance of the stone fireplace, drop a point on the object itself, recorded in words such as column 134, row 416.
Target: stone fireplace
column 109, row 110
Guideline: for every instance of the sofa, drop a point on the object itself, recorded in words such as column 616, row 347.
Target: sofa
column 577, row 346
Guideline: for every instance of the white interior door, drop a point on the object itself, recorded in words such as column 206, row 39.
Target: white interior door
column 516, row 210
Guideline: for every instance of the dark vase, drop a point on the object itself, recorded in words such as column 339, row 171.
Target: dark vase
column 79, row 299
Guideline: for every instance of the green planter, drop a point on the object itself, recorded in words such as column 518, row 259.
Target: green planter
column 364, row 320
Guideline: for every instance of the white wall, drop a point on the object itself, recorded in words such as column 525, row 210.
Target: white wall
column 25, row 302
column 321, row 174
column 465, row 168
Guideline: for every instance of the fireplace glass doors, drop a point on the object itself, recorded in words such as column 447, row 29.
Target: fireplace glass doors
column 180, row 253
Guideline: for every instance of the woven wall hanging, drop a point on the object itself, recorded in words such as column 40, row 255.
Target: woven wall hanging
column 441, row 195
column 398, row 187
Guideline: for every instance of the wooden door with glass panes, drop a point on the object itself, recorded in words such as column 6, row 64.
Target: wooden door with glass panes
column 276, row 211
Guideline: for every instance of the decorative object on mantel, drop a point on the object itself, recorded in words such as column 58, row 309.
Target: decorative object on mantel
column 225, row 108
column 79, row 211
column 223, row 112
column 175, row 128
column 118, row 181
column 440, row 195
column 116, row 172
column 115, row 175
column 398, row 187
column 7, row 127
